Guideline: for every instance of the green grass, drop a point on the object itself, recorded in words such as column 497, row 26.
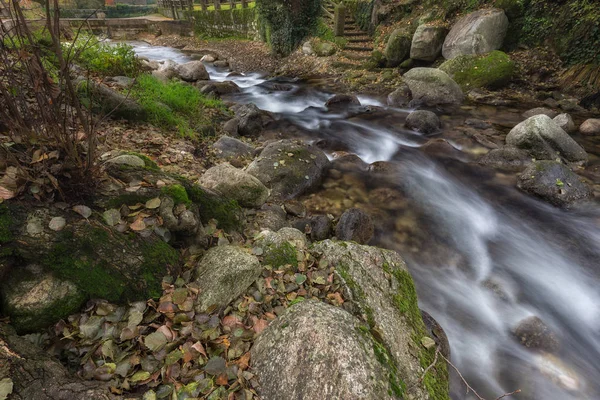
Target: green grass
column 173, row 105
column 103, row 58
column 324, row 32
column 227, row 6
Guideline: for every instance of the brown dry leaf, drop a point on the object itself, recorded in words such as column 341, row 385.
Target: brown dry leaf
column 335, row 298
column 6, row 194
column 231, row 321
column 199, row 348
column 165, row 330
column 221, row 380
column 260, row 325
column 138, row 225
column 244, row 361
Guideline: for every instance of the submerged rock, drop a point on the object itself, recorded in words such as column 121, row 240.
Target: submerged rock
column 427, row 42
column 289, row 168
column 342, row 100
column 399, row 97
column 477, row 33
column 423, row 121
column 431, row 86
column 235, row 184
column 355, row 225
column 533, row 333
column 553, row 182
column 540, row 111
column 224, row 273
column 317, row 226
column 336, row 362
column 543, row 139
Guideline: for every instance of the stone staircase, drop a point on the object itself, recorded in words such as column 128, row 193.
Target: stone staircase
column 360, row 43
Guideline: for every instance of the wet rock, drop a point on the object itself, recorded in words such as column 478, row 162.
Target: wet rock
column 110, row 101
column 543, row 139
column 355, row 225
column 317, row 226
column 35, row 299
column 289, row 168
column 477, row 123
column 192, row 71
column 271, row 217
column 477, row 33
column 128, row 159
column 221, row 64
column 423, row 121
column 348, row 161
column 224, row 273
column 380, row 287
column 397, row 48
column 166, row 71
column 590, row 127
column 252, row 120
column 493, row 70
column 553, row 182
column 399, row 97
column 383, row 167
column 235, row 184
column 507, row 158
column 232, row 127
column 427, row 42
column 228, row 147
column 569, row 105
column 539, row 111
column 435, row 330
column 439, row 148
column 342, row 100
column 565, row 122
column 431, row 86
column 533, row 333
column 221, row 88
column 288, row 366
column 209, row 58
column 295, row 208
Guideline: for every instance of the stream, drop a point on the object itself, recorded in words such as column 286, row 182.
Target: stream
column 483, row 255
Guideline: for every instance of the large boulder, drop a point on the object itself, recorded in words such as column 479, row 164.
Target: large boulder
column 590, row 127
column 251, row 119
column 553, row 182
column 471, row 71
column 108, row 101
column 381, row 290
column 220, row 88
column 289, row 168
column 431, row 86
column 192, row 71
column 400, row 97
column 228, row 147
column 565, row 122
column 224, row 273
column 427, row 42
column 235, row 184
column 281, row 248
column 543, row 139
column 397, row 48
column 423, row 121
column 318, row 351
column 477, row 33
column 35, row 299
column 355, row 225
column 539, row 111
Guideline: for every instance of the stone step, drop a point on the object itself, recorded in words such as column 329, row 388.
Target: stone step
column 358, row 39
column 359, row 48
column 356, row 34
column 355, row 56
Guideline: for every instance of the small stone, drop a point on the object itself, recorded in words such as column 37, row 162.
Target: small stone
column 57, row 223
column 427, row 342
column 128, row 159
column 112, row 217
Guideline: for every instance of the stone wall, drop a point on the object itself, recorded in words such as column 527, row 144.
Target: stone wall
column 240, row 22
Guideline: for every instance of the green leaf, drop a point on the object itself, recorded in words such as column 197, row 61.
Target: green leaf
column 300, row 279
column 173, row 357
column 155, row 341
column 559, row 183
column 216, row 366
column 6, row 388
column 140, row 376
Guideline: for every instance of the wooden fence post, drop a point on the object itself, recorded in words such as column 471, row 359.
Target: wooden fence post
column 203, row 5
column 232, row 4
column 244, row 3
column 339, row 18
column 217, row 4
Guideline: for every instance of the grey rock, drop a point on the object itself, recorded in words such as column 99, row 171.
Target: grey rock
column 281, row 248
column 307, row 48
column 252, row 120
column 221, row 64
column 235, row 184
column 565, row 122
column 228, row 147
column 400, row 97
column 192, row 71
column 232, row 127
column 224, row 273
column 539, row 111
column 209, row 58
column 397, row 48
column 337, row 362
column 302, row 168
column 123, row 81
column 128, row 159
column 543, row 139
column 590, row 127
column 553, row 182
column 507, row 158
column 423, row 121
column 431, row 86
column 477, row 33
column 355, row 225
column 271, row 217
column 427, row 42
column 35, row 299
column 220, row 88
column 533, row 333
column 342, row 100
column 166, row 71
column 107, row 100
column 324, row 49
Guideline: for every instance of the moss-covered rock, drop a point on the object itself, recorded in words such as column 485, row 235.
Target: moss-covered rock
column 235, row 184
column 281, row 247
column 492, row 70
column 323, row 49
column 398, row 47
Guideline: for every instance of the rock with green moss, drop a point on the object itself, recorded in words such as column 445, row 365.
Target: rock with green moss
column 493, row 70
column 323, row 49
column 398, row 47
column 224, row 273
column 281, row 247
column 383, row 291
column 108, row 101
column 235, row 184
column 35, row 299
column 289, row 168
column 338, row 361
column 128, row 159
column 431, row 86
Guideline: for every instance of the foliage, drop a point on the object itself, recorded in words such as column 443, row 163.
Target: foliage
column 361, row 10
column 104, row 58
column 173, row 105
column 284, row 25
column 324, row 32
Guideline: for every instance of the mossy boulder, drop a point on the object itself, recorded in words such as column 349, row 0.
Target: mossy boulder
column 235, row 184
column 427, row 42
column 493, row 70
column 34, row 299
column 323, row 49
column 432, row 86
column 289, row 168
column 382, row 291
column 397, row 48
column 281, row 248
column 318, row 351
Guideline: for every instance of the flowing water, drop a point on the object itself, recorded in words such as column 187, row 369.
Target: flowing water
column 483, row 255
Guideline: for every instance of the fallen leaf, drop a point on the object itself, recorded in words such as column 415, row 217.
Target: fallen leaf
column 215, row 366
column 6, row 194
column 153, row 203
column 244, row 361
column 260, row 325
column 138, row 225
column 84, row 211
column 221, row 380
column 155, row 341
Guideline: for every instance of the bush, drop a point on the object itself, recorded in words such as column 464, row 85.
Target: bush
column 104, row 58
column 174, row 105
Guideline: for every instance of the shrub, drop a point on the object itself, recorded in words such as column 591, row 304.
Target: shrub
column 104, row 58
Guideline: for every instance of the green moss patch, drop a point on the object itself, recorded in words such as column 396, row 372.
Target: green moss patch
column 177, row 193
column 5, row 225
column 226, row 211
column 493, row 70
column 284, row 254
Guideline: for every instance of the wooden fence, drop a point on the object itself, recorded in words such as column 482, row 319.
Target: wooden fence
column 177, row 8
